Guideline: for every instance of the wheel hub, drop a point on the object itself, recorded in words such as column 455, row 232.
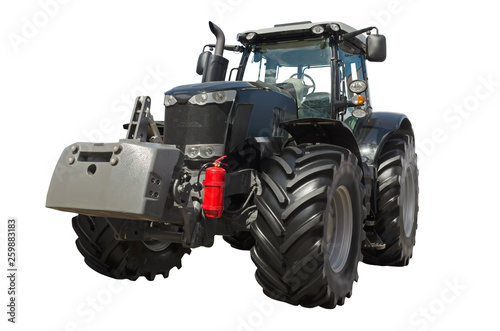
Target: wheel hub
column 159, row 245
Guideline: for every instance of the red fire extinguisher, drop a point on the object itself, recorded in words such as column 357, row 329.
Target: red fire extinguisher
column 213, row 196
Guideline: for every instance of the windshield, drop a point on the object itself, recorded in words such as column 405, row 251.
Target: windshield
column 300, row 67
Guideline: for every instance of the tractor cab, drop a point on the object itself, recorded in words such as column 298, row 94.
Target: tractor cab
column 299, row 67
column 323, row 65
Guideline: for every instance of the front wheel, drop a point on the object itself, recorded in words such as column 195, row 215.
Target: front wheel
column 124, row 259
column 308, row 232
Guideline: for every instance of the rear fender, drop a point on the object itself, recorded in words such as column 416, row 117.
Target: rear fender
column 322, row 130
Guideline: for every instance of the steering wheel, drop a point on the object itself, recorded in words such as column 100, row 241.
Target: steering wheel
column 313, row 83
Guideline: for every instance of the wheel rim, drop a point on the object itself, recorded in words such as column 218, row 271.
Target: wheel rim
column 409, row 203
column 158, row 245
column 339, row 229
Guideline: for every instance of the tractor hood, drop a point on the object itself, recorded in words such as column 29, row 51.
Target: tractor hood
column 184, row 92
column 223, row 115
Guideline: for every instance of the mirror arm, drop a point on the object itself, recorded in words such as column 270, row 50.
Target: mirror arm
column 343, row 104
column 353, row 34
column 232, row 48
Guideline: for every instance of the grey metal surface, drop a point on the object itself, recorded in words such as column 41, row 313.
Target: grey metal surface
column 128, row 179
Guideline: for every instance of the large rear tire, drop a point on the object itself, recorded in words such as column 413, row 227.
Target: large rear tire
column 123, row 259
column 309, row 229
column 397, row 202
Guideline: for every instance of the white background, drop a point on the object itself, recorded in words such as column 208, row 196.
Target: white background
column 68, row 79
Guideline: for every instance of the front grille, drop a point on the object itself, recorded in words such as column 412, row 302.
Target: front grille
column 188, row 124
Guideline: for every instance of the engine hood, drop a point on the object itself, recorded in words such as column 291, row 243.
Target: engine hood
column 184, row 92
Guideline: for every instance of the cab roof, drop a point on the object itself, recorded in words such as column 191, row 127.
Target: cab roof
column 299, row 30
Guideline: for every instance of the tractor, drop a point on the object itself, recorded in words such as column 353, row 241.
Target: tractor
column 282, row 155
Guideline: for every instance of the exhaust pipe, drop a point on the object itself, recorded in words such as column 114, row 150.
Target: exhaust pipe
column 221, row 39
column 213, row 67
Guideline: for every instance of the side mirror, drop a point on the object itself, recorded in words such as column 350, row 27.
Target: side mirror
column 203, row 61
column 376, row 48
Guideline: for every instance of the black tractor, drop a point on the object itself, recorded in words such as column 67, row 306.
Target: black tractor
column 285, row 158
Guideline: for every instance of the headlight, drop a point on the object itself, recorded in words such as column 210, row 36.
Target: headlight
column 358, row 86
column 192, row 151
column 200, row 99
column 359, row 113
column 204, row 151
column 207, row 151
column 318, row 29
column 220, row 96
column 250, row 36
column 334, row 27
column 170, row 100
column 212, row 97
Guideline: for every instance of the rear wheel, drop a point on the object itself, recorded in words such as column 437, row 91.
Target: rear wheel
column 124, row 259
column 309, row 230
column 397, row 202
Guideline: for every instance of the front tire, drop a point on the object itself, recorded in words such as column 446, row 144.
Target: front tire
column 123, row 259
column 309, row 229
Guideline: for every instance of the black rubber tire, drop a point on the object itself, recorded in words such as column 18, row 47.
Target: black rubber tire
column 295, row 206
column 122, row 259
column 397, row 202
column 242, row 240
